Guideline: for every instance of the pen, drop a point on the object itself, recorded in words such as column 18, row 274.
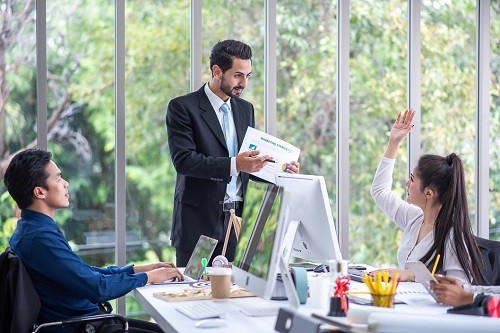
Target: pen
column 266, row 160
column 435, row 264
column 352, row 292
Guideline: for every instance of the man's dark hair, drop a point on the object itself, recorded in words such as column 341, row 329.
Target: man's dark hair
column 25, row 172
column 225, row 51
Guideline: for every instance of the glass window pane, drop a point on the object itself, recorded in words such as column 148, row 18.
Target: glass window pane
column 449, row 83
column 18, row 101
column 495, row 121
column 377, row 84
column 243, row 21
column 306, row 84
column 157, row 70
column 80, row 61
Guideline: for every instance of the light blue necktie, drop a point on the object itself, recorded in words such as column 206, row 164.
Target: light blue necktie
column 231, row 146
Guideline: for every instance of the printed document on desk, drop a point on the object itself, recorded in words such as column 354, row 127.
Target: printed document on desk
column 281, row 152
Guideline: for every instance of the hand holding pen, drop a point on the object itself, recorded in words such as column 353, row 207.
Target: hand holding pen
column 250, row 161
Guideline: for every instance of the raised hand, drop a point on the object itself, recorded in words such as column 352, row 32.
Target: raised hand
column 402, row 126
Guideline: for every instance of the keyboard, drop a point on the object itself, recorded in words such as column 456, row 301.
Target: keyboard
column 201, row 310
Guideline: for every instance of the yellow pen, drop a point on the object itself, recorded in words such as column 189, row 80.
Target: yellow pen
column 351, row 292
column 435, row 264
column 394, row 283
column 369, row 283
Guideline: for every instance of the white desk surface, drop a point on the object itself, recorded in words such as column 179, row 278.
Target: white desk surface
column 171, row 320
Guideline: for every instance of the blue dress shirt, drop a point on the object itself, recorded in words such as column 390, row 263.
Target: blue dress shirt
column 67, row 286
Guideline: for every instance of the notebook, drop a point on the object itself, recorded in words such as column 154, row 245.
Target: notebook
column 194, row 269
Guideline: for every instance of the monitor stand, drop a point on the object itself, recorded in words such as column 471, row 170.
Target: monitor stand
column 272, row 308
column 289, row 239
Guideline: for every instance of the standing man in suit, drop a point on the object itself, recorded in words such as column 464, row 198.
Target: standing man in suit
column 211, row 179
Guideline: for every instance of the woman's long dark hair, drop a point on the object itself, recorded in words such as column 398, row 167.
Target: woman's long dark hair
column 445, row 175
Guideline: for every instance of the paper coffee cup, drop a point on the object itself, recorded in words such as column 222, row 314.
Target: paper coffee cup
column 220, row 282
column 319, row 295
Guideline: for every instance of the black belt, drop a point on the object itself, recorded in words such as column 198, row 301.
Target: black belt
column 228, row 205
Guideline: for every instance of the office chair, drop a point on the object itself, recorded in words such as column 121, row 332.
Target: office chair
column 20, row 304
column 490, row 251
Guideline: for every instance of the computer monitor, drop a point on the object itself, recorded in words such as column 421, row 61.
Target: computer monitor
column 256, row 256
column 315, row 238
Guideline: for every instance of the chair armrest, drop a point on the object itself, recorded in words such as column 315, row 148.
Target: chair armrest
column 80, row 320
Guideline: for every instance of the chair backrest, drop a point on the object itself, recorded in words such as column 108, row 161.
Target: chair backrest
column 20, row 303
column 490, row 251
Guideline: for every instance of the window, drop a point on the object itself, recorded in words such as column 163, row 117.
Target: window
column 377, row 82
column 448, row 83
column 18, row 102
column 495, row 121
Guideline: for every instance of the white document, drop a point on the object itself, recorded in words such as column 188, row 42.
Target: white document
column 281, row 152
column 422, row 275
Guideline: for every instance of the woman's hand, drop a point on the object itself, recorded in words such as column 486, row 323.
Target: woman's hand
column 450, row 291
column 150, row 267
column 402, row 126
column 400, row 130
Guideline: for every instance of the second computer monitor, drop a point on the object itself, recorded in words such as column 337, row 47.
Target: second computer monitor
column 257, row 251
column 316, row 237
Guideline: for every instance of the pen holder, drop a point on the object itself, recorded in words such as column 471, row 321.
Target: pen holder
column 338, row 306
column 383, row 301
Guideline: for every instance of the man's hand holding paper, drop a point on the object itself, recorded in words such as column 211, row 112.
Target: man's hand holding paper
column 264, row 155
column 250, row 161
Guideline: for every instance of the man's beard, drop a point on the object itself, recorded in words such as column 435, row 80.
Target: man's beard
column 226, row 89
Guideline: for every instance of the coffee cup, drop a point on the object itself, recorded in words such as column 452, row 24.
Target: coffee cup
column 319, row 291
column 220, row 283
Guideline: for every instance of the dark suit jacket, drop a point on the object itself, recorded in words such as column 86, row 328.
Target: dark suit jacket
column 201, row 159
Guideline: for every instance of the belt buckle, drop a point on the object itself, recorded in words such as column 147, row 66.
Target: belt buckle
column 228, row 205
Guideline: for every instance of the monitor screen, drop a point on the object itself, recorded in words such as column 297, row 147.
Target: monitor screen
column 254, row 266
column 316, row 237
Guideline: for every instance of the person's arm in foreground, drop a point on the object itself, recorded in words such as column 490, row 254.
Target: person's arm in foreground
column 450, row 291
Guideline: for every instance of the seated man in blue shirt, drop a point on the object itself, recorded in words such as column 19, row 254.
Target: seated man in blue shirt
column 67, row 286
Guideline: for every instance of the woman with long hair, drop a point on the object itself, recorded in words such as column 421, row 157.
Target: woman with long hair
column 435, row 217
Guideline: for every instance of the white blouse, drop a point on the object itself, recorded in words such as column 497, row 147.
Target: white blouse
column 409, row 219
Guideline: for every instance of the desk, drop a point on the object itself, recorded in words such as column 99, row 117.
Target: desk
column 171, row 320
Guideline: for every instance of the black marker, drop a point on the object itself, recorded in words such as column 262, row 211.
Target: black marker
column 271, row 161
